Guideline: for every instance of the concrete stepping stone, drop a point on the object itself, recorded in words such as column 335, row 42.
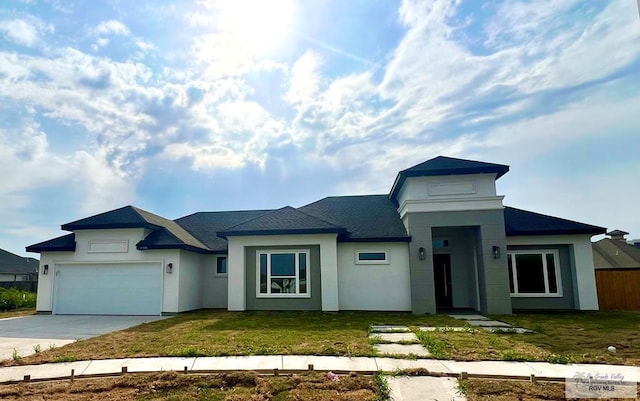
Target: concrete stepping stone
column 401, row 349
column 487, row 323
column 389, row 328
column 394, row 337
column 405, row 388
column 469, row 317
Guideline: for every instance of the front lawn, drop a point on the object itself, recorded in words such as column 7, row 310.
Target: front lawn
column 559, row 337
column 218, row 333
column 178, row 387
column 570, row 337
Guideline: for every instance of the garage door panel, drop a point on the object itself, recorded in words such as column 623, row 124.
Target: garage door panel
column 114, row 289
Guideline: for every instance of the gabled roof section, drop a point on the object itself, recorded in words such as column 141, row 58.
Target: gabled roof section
column 167, row 234
column 615, row 254
column 125, row 217
column 205, row 225
column 12, row 263
column 366, row 217
column 287, row 220
column 59, row 244
column 522, row 222
column 443, row 165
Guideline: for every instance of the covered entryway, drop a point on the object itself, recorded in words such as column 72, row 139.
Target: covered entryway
column 108, row 289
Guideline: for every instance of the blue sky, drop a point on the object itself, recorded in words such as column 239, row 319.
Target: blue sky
column 178, row 107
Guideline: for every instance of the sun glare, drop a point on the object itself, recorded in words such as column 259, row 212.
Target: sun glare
column 260, row 25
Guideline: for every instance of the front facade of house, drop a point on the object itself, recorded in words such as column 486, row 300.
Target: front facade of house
column 441, row 239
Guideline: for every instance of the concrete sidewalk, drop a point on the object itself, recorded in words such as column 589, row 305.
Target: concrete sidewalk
column 301, row 363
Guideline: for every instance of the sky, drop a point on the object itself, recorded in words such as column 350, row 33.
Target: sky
column 185, row 106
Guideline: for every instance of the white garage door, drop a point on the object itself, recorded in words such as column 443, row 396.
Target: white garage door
column 108, row 289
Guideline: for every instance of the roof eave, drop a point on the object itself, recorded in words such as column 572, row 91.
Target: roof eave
column 74, row 227
column 40, row 249
column 595, row 231
column 376, row 239
column 145, row 247
column 293, row 231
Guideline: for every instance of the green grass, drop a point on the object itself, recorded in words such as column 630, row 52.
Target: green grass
column 221, row 333
column 582, row 336
column 561, row 337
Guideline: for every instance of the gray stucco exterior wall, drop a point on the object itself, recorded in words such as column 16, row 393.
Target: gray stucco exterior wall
column 493, row 276
column 566, row 277
column 312, row 303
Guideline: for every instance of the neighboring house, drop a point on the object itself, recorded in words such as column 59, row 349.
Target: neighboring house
column 17, row 268
column 615, row 252
column 617, row 265
column 440, row 239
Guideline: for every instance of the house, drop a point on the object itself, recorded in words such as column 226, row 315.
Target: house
column 440, row 239
column 15, row 268
column 617, row 265
column 615, row 253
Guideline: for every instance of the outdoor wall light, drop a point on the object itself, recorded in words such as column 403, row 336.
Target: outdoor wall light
column 45, row 269
column 496, row 252
column 169, row 268
column 422, row 253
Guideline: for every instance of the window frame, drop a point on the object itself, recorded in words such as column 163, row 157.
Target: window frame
column 297, row 253
column 216, row 267
column 359, row 261
column 543, row 253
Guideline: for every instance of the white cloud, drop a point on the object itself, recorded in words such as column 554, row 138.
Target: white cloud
column 304, row 79
column 24, row 32
column 111, row 27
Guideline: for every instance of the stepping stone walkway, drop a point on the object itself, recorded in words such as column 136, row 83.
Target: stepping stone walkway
column 399, row 341
column 492, row 326
column 405, row 388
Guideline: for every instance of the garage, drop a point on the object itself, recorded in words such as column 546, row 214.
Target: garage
column 108, row 289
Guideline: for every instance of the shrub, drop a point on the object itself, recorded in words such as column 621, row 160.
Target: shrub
column 12, row 298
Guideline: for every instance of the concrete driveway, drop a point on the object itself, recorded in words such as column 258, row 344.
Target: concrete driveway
column 25, row 333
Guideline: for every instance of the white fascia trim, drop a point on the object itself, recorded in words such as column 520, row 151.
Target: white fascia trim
column 451, row 205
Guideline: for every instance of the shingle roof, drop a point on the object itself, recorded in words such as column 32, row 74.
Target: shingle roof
column 286, row 220
column 205, row 225
column 366, row 217
column 64, row 243
column 614, row 254
column 15, row 264
column 522, row 222
column 443, row 165
column 167, row 234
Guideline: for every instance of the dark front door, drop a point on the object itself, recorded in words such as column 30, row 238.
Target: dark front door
column 442, row 278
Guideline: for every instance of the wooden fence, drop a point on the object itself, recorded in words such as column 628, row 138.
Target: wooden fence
column 618, row 289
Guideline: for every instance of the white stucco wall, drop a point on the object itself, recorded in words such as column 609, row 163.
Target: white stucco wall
column 382, row 287
column 585, row 293
column 106, row 240
column 214, row 286
column 328, row 264
column 448, row 193
column 190, row 274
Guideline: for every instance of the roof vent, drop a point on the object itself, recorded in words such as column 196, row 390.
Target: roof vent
column 617, row 235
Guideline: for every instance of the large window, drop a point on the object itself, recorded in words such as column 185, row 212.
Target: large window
column 534, row 273
column 283, row 273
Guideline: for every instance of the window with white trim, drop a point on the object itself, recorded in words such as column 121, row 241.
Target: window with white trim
column 534, row 273
column 283, row 273
column 221, row 266
column 372, row 257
